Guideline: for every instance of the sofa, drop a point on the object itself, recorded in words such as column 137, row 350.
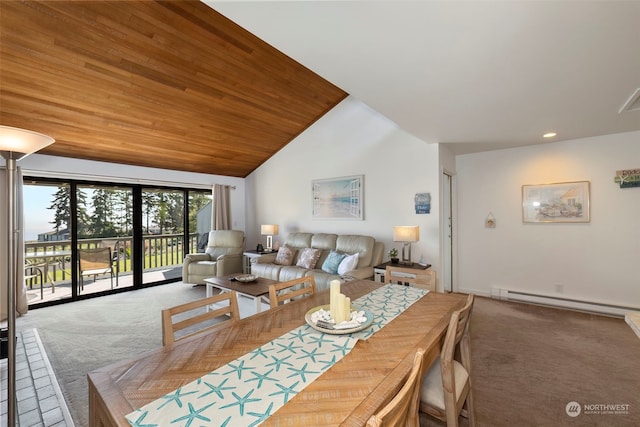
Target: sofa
column 222, row 256
column 293, row 260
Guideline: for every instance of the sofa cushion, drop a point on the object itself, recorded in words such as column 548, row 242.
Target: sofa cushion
column 330, row 265
column 308, row 258
column 348, row 263
column 285, row 256
column 268, row 271
column 291, row 272
column 362, row 245
column 299, row 240
column 324, row 241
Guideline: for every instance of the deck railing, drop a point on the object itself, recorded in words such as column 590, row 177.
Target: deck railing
column 159, row 250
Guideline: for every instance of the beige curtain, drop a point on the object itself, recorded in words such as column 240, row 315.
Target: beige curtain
column 221, row 209
column 21, row 290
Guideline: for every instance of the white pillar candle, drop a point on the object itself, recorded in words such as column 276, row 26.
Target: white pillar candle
column 333, row 297
column 340, row 315
column 347, row 308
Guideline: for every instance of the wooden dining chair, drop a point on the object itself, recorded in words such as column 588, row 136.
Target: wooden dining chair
column 292, row 289
column 402, row 410
column 425, row 279
column 446, row 386
column 201, row 312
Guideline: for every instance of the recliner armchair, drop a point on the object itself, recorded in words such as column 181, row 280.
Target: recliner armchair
column 222, row 256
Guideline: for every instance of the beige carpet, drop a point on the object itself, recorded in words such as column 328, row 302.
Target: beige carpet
column 82, row 336
column 529, row 362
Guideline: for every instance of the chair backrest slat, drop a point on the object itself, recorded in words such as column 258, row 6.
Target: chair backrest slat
column 425, row 279
column 171, row 326
column 402, row 410
column 292, row 289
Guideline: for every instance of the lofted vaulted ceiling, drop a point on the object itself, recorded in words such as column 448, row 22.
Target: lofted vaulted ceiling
column 165, row 84
column 474, row 75
column 176, row 85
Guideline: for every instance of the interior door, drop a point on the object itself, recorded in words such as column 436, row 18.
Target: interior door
column 447, row 215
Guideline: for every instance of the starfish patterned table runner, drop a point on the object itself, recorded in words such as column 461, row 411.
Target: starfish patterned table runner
column 248, row 390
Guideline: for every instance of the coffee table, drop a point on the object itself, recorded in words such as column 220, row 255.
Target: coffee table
column 258, row 291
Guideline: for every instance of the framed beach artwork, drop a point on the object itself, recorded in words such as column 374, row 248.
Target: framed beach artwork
column 561, row 202
column 338, row 198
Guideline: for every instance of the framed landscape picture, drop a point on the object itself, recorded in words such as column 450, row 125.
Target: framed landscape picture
column 561, row 202
column 338, row 198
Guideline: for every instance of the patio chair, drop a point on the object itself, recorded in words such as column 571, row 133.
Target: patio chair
column 34, row 271
column 118, row 252
column 94, row 262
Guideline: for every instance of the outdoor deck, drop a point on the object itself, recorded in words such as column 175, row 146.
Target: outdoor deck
column 102, row 283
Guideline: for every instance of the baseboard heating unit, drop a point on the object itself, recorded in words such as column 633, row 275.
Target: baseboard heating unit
column 558, row 301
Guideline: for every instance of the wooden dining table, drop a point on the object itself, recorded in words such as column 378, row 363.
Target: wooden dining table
column 346, row 394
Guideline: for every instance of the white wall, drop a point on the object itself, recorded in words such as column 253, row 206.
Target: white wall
column 52, row 166
column 598, row 261
column 351, row 139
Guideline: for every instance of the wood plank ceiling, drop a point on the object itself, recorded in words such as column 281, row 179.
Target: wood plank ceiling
column 165, row 84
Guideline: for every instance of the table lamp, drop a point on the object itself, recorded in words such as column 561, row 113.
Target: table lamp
column 269, row 230
column 406, row 234
column 15, row 144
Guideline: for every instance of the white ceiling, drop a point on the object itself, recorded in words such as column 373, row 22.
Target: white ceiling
column 477, row 74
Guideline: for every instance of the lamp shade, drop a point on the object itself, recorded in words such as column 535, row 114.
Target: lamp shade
column 406, row 233
column 17, row 143
column 268, row 229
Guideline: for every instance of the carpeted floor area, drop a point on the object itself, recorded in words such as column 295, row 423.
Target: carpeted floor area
column 529, row 362
column 85, row 335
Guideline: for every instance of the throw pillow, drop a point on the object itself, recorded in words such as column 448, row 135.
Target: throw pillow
column 350, row 262
column 285, row 256
column 308, row 258
column 330, row 265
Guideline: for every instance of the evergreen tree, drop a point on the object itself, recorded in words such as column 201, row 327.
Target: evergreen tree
column 174, row 222
column 151, row 210
column 101, row 221
column 61, row 205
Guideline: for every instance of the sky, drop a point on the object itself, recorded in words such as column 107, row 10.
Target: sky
column 37, row 217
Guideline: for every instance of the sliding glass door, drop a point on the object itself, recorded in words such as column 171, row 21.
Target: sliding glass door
column 47, row 235
column 104, row 239
column 87, row 239
column 163, row 234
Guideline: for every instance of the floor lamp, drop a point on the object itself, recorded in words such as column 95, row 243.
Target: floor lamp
column 15, row 144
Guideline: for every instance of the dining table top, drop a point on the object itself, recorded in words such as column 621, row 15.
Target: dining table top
column 346, row 394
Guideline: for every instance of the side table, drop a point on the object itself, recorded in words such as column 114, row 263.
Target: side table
column 380, row 270
column 247, row 257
